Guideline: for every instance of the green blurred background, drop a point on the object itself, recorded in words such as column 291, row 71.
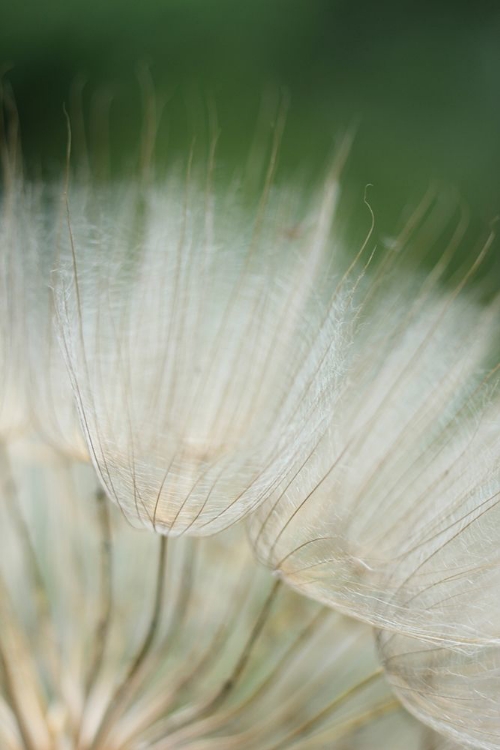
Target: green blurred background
column 420, row 80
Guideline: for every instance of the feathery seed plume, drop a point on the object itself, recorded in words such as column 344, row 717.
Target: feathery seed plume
column 203, row 343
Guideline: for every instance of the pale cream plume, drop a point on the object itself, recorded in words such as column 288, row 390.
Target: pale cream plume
column 394, row 517
column 205, row 344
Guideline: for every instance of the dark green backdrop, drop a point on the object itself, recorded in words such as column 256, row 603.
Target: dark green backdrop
column 420, row 80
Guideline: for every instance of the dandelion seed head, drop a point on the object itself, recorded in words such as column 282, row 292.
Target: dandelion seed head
column 205, row 361
column 394, row 518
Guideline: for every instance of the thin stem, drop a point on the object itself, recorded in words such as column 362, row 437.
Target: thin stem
column 103, row 623
column 126, row 687
column 212, row 723
column 106, row 592
column 228, row 685
column 304, row 728
column 352, row 725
